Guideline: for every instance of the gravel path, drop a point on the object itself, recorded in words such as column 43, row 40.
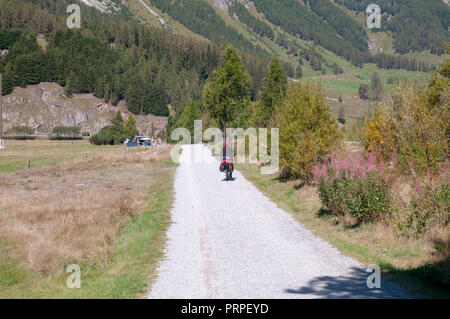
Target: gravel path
column 228, row 240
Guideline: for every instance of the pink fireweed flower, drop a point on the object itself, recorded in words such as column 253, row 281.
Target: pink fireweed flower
column 353, row 165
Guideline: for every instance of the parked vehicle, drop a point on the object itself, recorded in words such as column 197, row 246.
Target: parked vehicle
column 139, row 141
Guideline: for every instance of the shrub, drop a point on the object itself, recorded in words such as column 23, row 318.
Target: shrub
column 107, row 136
column 406, row 125
column 23, row 130
column 430, row 204
column 354, row 187
column 116, row 133
column 65, row 133
column 22, row 133
column 376, row 87
column 363, row 92
column 19, row 137
column 308, row 131
column 364, row 199
column 64, row 138
column 414, row 123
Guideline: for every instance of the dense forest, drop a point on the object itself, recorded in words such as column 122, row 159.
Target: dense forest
column 258, row 26
column 116, row 58
column 113, row 58
column 342, row 35
column 200, row 17
column 345, row 26
column 417, row 25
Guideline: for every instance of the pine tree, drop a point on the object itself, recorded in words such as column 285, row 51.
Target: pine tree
column 337, row 69
column 363, row 92
column 190, row 113
column 341, row 115
column 274, row 88
column 227, row 95
column 376, row 87
column 299, row 72
column 156, row 103
column 129, row 128
column 117, row 122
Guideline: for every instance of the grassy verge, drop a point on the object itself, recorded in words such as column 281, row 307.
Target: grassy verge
column 117, row 248
column 411, row 262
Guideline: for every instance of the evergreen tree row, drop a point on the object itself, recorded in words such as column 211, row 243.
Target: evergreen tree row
column 389, row 61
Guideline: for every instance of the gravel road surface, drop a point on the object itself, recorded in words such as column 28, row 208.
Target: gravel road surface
column 228, row 240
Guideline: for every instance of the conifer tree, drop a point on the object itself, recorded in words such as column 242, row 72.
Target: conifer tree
column 227, row 95
column 129, row 128
column 274, row 88
column 376, row 87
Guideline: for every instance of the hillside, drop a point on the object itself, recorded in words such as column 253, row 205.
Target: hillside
column 335, row 25
column 50, row 108
column 152, row 56
column 311, row 37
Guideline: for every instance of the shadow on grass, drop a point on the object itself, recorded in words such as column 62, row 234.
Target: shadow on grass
column 324, row 213
column 284, row 179
column 430, row 280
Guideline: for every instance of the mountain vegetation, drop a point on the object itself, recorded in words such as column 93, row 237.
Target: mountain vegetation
column 117, row 58
column 308, row 131
column 417, row 25
column 117, row 132
column 341, row 35
column 112, row 58
column 258, row 26
column 227, row 95
column 201, row 18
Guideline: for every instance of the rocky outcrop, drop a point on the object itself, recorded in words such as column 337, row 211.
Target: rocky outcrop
column 102, row 6
column 45, row 106
column 223, row 4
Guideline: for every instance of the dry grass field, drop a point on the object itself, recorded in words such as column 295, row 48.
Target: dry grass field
column 77, row 212
column 45, row 152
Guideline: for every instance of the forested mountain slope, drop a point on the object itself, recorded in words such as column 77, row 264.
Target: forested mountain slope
column 113, row 56
column 121, row 55
column 289, row 28
column 416, row 25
